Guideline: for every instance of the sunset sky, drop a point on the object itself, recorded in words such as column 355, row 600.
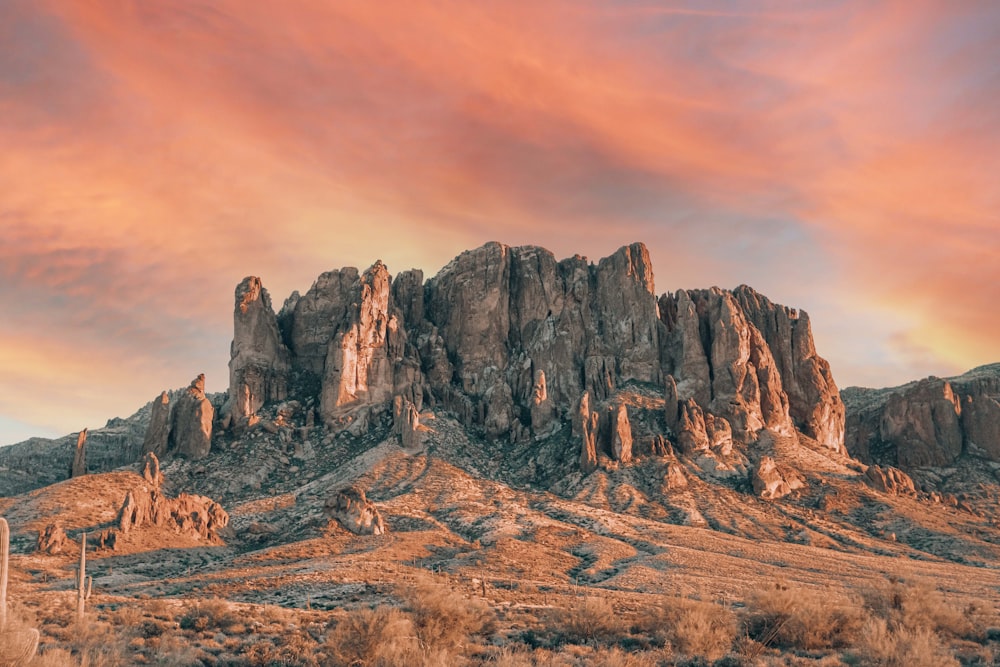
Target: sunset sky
column 840, row 157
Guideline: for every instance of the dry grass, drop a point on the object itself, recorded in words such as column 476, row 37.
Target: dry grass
column 801, row 618
column 588, row 620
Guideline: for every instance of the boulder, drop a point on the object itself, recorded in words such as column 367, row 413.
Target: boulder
column 890, row 480
column 355, row 512
column 772, row 480
column 52, row 540
column 79, row 466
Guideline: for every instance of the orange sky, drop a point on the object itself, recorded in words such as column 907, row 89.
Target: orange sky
column 840, row 157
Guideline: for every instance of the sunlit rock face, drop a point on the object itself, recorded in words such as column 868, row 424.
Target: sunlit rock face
column 516, row 344
column 930, row 422
column 191, row 422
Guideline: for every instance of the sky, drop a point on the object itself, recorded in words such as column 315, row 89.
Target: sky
column 840, row 157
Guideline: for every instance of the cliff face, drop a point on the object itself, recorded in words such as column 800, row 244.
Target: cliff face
column 931, row 422
column 513, row 342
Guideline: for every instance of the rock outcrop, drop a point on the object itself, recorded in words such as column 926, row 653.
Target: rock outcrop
column 196, row 516
column 406, row 422
column 355, row 512
column 931, row 422
column 508, row 340
column 52, row 540
column 191, row 422
column 158, row 432
column 889, row 480
column 772, row 480
column 79, row 466
column 259, row 363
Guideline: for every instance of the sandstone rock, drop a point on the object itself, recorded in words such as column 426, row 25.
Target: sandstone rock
column 188, row 514
column 79, row 466
column 671, row 404
column 621, row 434
column 191, row 422
column 585, row 427
column 357, row 371
column 542, row 409
column 675, row 478
column 406, row 422
column 814, row 403
column 772, row 481
column 259, row 363
column 151, row 470
column 355, row 512
column 158, row 431
column 318, row 315
column 719, row 433
column 890, row 480
column 692, row 436
column 52, row 540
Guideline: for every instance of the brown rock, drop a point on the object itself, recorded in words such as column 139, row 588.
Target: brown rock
column 621, row 434
column 189, row 514
column 692, row 436
column 52, row 540
column 79, row 466
column 890, row 480
column 355, row 512
column 151, row 470
column 406, row 422
column 191, row 422
column 158, row 431
column 772, row 480
column 259, row 363
column 585, row 427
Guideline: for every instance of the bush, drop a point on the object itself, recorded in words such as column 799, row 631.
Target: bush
column 697, row 628
column 210, row 615
column 444, row 620
column 799, row 618
column 923, row 608
column 589, row 620
column 381, row 637
column 882, row 645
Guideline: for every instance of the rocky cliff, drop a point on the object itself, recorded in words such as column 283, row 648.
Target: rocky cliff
column 517, row 344
column 930, row 422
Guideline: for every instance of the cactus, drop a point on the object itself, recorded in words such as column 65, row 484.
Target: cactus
column 17, row 647
column 82, row 592
column 4, row 557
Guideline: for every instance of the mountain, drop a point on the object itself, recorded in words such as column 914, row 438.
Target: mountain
column 532, row 434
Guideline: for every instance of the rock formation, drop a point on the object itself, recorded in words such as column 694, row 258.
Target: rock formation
column 889, row 480
column 508, row 340
column 158, row 431
column 259, row 363
column 187, row 514
column 151, row 470
column 79, row 466
column 772, row 480
column 355, row 512
column 931, row 422
column 52, row 540
column 406, row 422
column 191, row 422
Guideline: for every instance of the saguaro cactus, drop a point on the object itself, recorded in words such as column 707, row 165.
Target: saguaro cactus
column 17, row 647
column 82, row 592
column 4, row 557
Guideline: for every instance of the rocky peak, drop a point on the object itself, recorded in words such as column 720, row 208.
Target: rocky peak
column 191, row 422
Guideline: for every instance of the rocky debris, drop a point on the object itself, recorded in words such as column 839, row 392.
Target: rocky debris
column 586, row 427
column 187, row 514
column 158, row 431
column 52, row 540
column 79, row 466
column 259, row 361
column 890, row 480
column 406, row 422
column 772, row 480
column 355, row 512
column 191, row 422
column 151, row 470
column 930, row 422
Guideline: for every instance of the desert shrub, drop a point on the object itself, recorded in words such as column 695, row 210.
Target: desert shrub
column 695, row 627
column 53, row 657
column 443, row 619
column 97, row 645
column 589, row 620
column 923, row 608
column 210, row 615
column 882, row 645
column 799, row 618
column 380, row 637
